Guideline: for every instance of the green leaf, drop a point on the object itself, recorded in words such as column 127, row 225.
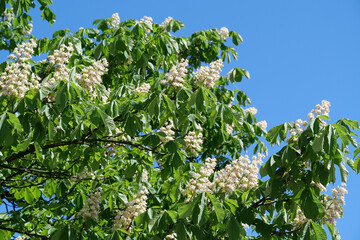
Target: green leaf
column 310, row 205
column 169, row 103
column 200, row 213
column 277, row 133
column 344, row 136
column 66, row 233
column 107, row 120
column 357, row 164
column 186, row 209
column 25, row 143
column 171, row 146
column 38, row 151
column 343, row 172
column 334, row 232
column 200, row 100
column 14, row 121
column 236, row 38
column 219, row 211
column 180, row 230
column 234, row 229
column 305, row 233
column 28, row 196
column 236, row 75
column 231, row 205
column 320, row 233
column 318, row 143
column 116, row 236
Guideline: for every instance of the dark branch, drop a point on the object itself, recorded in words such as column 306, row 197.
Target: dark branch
column 24, row 232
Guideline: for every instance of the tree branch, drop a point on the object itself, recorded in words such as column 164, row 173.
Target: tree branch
column 23, row 232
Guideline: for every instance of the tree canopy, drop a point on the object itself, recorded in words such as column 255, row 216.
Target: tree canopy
column 128, row 131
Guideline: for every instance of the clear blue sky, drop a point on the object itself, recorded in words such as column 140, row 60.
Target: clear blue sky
column 297, row 53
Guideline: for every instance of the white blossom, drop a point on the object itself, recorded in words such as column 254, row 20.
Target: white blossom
column 193, row 142
column 229, row 128
column 166, row 22
column 251, row 110
column 323, row 109
column 17, row 78
column 175, row 77
column 333, row 204
column 224, row 32
column 92, row 76
column 208, row 76
column 92, row 205
column 240, row 174
column 300, row 125
column 58, row 60
column 171, row 236
column 144, row 88
column 262, row 124
column 167, row 129
column 147, row 20
column 200, row 182
column 133, row 209
column 28, row 29
column 116, row 20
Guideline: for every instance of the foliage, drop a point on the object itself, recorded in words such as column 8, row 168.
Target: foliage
column 126, row 131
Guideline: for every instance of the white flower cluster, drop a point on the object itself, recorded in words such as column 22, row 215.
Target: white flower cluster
column 333, row 205
column 301, row 125
column 241, row 174
column 208, row 76
column 175, row 77
column 86, row 174
column 262, row 124
column 92, row 205
column 21, row 237
column 147, row 20
column 134, row 208
column 144, row 88
column 167, row 129
column 322, row 109
column 251, row 110
column 59, row 60
column 300, row 218
column 91, row 76
column 166, row 22
column 224, row 32
column 17, row 78
column 171, row 236
column 299, row 129
column 200, row 182
column 229, row 128
column 193, row 142
column 9, row 16
column 28, row 29
column 116, row 20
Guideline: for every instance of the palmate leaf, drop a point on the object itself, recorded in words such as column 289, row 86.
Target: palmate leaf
column 219, row 211
column 277, row 134
column 310, row 205
column 234, row 229
column 319, row 231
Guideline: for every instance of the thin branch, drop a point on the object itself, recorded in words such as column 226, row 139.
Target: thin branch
column 24, row 232
column 286, row 232
column 77, row 142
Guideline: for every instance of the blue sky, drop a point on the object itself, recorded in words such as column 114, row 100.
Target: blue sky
column 297, row 52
